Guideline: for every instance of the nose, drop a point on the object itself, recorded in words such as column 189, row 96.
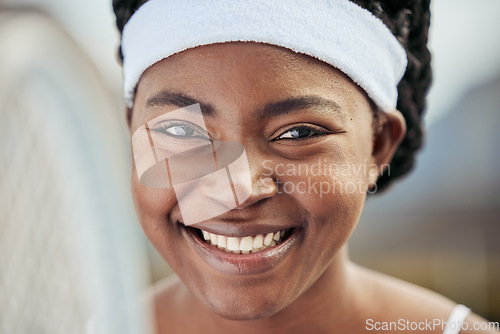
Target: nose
column 262, row 187
column 249, row 178
column 256, row 184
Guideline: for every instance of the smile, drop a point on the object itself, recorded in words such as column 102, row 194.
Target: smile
column 242, row 253
column 245, row 245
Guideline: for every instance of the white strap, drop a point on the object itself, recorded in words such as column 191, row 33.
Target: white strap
column 456, row 318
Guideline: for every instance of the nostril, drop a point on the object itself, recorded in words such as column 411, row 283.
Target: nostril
column 266, row 187
column 262, row 188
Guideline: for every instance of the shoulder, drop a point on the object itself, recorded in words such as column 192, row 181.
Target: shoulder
column 408, row 308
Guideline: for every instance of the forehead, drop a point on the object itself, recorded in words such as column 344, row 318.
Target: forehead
column 244, row 75
column 249, row 63
column 227, row 55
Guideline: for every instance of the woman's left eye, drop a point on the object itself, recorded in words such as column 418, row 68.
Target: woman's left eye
column 301, row 132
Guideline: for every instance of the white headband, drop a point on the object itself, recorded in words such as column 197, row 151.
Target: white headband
column 337, row 32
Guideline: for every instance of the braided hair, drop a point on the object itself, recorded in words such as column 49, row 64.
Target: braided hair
column 409, row 21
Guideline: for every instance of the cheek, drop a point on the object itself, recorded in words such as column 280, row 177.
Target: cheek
column 332, row 181
column 334, row 201
column 323, row 194
column 152, row 207
column 331, row 187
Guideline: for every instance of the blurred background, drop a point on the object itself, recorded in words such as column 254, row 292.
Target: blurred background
column 70, row 246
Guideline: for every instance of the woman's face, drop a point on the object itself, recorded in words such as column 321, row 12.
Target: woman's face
column 307, row 132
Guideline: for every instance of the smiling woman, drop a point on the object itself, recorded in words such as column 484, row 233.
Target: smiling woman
column 312, row 221
column 217, row 104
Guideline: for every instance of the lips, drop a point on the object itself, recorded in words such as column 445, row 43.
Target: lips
column 243, row 254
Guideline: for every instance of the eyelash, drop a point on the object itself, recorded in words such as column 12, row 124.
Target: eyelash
column 315, row 129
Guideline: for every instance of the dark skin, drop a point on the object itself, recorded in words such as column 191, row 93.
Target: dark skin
column 314, row 289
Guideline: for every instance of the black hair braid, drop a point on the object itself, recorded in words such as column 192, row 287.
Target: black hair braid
column 124, row 9
column 409, row 21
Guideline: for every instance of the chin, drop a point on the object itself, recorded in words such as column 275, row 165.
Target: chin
column 239, row 307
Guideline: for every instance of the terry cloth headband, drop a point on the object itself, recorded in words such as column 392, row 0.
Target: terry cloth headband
column 337, row 32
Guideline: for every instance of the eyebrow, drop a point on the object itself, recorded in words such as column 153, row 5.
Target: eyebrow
column 292, row 104
column 270, row 110
column 165, row 98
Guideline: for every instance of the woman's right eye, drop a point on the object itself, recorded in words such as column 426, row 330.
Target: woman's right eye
column 181, row 130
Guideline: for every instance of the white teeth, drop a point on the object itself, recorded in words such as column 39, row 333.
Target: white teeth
column 233, row 244
column 213, row 239
column 268, row 239
column 245, row 245
column 221, row 242
column 258, row 241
